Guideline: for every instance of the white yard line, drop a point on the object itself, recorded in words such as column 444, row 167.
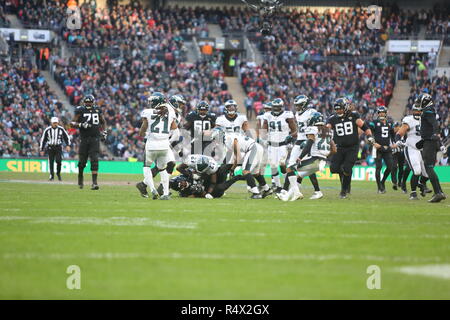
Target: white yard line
column 441, row 271
column 214, row 256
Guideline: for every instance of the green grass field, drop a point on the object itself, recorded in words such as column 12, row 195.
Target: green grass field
column 230, row 248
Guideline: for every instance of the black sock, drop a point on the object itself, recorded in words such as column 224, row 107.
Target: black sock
column 155, row 171
column 286, row 180
column 386, row 175
column 261, row 180
column 377, row 176
column 423, row 180
column 314, row 182
column 250, row 180
column 94, row 178
column 434, row 180
column 341, row 178
column 347, row 182
column 414, row 182
column 80, row 173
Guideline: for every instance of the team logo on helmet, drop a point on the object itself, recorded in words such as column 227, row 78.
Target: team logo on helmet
column 301, row 102
column 341, row 104
column 230, row 108
column 178, row 102
column 277, row 106
column 156, row 99
column 89, row 101
column 316, row 119
column 423, row 100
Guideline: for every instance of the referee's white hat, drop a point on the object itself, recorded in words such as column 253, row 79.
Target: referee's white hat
column 54, row 119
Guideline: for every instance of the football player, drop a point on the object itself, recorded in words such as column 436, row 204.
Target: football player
column 383, row 133
column 398, row 165
column 345, row 124
column 267, row 107
column 157, row 125
column 200, row 122
column 318, row 146
column 281, row 130
column 411, row 129
column 302, row 116
column 250, row 154
column 431, row 142
column 187, row 186
column 89, row 119
column 214, row 178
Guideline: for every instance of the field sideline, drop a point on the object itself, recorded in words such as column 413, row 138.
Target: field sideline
column 231, row 248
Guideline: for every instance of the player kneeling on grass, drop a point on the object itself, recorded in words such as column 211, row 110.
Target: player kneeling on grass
column 157, row 124
column 252, row 155
column 213, row 176
column 319, row 146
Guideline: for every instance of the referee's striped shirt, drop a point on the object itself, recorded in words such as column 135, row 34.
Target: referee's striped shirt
column 54, row 137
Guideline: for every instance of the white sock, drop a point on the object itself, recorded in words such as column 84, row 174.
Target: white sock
column 265, row 187
column 165, row 181
column 254, row 190
column 148, row 178
column 277, row 180
column 294, row 185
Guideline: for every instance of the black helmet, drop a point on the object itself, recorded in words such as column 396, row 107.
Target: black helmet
column 89, row 101
column 423, row 100
column 316, row 119
column 381, row 109
column 341, row 104
column 202, row 106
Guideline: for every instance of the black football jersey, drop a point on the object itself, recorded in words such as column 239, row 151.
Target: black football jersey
column 345, row 129
column 197, row 124
column 383, row 133
column 91, row 116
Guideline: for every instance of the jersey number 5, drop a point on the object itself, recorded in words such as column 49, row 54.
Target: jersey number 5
column 344, row 129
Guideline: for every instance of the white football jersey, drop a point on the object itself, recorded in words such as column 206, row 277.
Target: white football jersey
column 192, row 159
column 245, row 143
column 413, row 134
column 234, row 125
column 158, row 131
column 278, row 127
column 261, row 118
column 302, row 122
column 322, row 146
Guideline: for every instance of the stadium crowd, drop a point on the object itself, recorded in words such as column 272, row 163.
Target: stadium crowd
column 27, row 105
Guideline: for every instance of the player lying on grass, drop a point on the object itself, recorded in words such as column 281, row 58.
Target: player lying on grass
column 319, row 146
column 214, row 177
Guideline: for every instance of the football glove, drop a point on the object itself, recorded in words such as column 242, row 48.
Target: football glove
column 103, row 135
column 400, row 144
column 289, row 139
column 85, row 125
column 443, row 149
column 209, row 196
column 371, row 140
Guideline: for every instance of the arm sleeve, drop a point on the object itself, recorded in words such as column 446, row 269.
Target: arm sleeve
column 431, row 118
column 307, row 148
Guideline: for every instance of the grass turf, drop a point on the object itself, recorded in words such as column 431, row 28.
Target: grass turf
column 230, row 248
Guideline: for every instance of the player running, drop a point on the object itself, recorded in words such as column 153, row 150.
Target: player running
column 345, row 124
column 318, row 146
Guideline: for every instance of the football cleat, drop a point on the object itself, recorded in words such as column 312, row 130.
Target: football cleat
column 381, row 191
column 155, row 194
column 422, row 190
column 95, row 187
column 316, row 195
column 59, row 177
column 165, row 197
column 413, row 196
column 142, row 187
column 256, row 196
column 343, row 195
column 404, row 189
column 296, row 196
column 394, row 186
column 51, row 178
column 438, row 197
column 266, row 193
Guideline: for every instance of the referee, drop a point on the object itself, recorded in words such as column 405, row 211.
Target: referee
column 53, row 138
column 431, row 142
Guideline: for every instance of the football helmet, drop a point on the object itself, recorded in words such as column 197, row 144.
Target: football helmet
column 423, row 100
column 381, row 112
column 277, row 106
column 416, row 111
column 341, row 106
column 301, row 102
column 201, row 164
column 230, row 108
column 267, row 107
column 202, row 108
column 156, row 99
column 88, row 101
column 316, row 119
column 178, row 102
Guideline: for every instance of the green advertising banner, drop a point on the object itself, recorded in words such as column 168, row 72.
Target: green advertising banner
column 360, row 173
